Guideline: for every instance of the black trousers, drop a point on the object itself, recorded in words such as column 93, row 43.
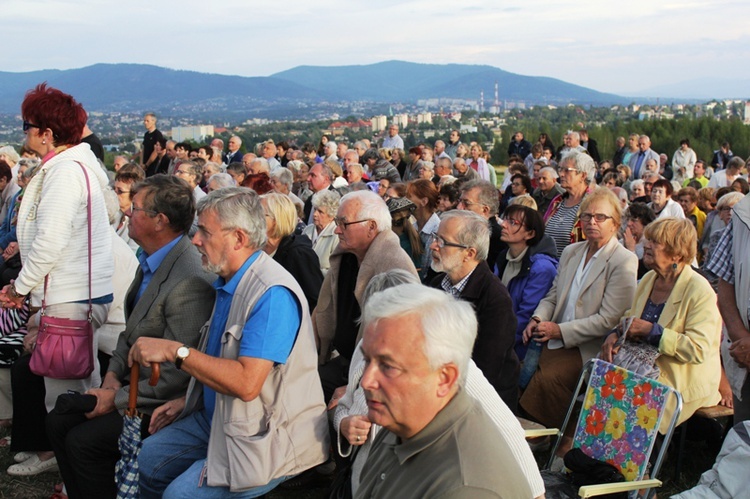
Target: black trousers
column 29, row 412
column 86, row 452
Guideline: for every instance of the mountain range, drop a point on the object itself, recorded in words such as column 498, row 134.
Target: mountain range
column 137, row 87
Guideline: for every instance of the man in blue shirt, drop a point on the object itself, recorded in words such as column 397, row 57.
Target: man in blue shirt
column 262, row 417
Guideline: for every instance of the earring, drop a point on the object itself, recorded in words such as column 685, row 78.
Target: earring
column 674, row 266
column 44, row 142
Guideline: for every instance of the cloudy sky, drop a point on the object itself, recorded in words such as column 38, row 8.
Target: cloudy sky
column 611, row 46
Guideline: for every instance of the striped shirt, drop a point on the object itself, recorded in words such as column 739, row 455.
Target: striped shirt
column 560, row 224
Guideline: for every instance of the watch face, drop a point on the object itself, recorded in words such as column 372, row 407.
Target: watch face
column 183, row 352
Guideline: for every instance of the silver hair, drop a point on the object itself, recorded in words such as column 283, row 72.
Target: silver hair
column 222, row 180
column 357, row 166
column 360, row 144
column 11, row 153
column 283, row 175
column 32, row 169
column 327, row 201
column 238, row 208
column 473, row 231
column 265, row 167
column 295, row 165
column 581, row 162
column 428, row 165
column 371, row 207
column 487, row 193
column 550, row 170
column 636, row 183
column 576, row 135
column 29, row 162
column 386, row 280
column 729, row 199
column 236, row 137
column 194, row 169
column 449, row 326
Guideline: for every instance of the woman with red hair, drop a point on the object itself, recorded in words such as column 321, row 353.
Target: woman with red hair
column 53, row 237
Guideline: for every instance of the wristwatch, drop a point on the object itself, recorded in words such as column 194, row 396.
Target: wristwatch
column 182, row 354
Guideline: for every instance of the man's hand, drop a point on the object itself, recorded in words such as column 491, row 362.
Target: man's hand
column 152, row 350
column 546, row 331
column 740, row 351
column 105, row 402
column 165, row 414
column 355, row 429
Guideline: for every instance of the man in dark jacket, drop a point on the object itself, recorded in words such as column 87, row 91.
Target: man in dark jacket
column 519, row 146
column 459, row 251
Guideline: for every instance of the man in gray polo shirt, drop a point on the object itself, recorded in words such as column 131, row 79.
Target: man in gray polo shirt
column 438, row 440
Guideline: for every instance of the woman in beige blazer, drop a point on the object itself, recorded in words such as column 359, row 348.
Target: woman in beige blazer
column 594, row 286
column 675, row 310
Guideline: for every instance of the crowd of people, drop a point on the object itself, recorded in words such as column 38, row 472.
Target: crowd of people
column 318, row 307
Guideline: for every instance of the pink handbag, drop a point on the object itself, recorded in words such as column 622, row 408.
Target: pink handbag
column 65, row 347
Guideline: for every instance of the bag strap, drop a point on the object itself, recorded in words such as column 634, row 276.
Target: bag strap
column 88, row 226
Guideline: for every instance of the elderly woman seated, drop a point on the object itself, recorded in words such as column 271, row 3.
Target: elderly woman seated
column 291, row 251
column 594, row 286
column 637, row 216
column 324, row 240
column 675, row 312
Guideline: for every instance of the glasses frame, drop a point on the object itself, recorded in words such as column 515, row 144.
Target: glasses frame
column 442, row 243
column 27, row 126
column 133, row 209
column 342, row 224
column 587, row 217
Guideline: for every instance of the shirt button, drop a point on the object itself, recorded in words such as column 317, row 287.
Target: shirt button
column 382, row 476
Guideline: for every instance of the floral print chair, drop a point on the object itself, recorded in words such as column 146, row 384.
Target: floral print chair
column 619, row 423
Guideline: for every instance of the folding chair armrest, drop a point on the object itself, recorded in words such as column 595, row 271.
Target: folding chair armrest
column 540, row 433
column 611, row 488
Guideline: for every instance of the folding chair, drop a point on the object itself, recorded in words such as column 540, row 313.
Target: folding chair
column 618, row 424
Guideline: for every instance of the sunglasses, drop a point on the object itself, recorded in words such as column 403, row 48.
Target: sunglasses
column 27, row 125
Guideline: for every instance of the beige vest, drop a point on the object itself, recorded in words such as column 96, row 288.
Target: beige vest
column 283, row 431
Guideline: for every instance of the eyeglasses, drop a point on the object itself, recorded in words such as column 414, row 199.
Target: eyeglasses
column 133, row 209
column 119, row 191
column 343, row 224
column 726, row 208
column 599, row 217
column 27, row 125
column 512, row 222
column 442, row 243
column 181, row 172
column 562, row 169
column 468, row 203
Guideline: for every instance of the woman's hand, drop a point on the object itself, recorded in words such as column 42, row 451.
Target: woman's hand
column 546, row 331
column 10, row 251
column 608, row 348
column 639, row 328
column 8, row 300
column 355, row 429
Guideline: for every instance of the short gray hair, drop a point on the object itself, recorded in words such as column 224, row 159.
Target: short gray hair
column 283, row 175
column 729, row 199
column 636, row 183
column 294, row 164
column 264, row 165
column 371, row 207
column 487, row 193
column 327, row 201
column 550, row 170
column 238, row 208
column 582, row 162
column 388, row 279
column 449, row 326
column 473, row 231
column 222, row 180
column 193, row 169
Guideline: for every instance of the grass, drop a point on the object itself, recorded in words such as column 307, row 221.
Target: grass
column 699, row 457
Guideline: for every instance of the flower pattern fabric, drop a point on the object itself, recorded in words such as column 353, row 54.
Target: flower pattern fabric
column 620, row 418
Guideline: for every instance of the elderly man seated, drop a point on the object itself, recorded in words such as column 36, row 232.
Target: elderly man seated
column 438, row 440
column 254, row 412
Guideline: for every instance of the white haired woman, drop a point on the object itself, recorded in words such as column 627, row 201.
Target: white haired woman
column 324, row 240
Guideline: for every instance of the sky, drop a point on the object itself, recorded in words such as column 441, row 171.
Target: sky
column 611, row 46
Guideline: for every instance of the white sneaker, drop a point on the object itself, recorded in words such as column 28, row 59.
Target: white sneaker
column 33, row 466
